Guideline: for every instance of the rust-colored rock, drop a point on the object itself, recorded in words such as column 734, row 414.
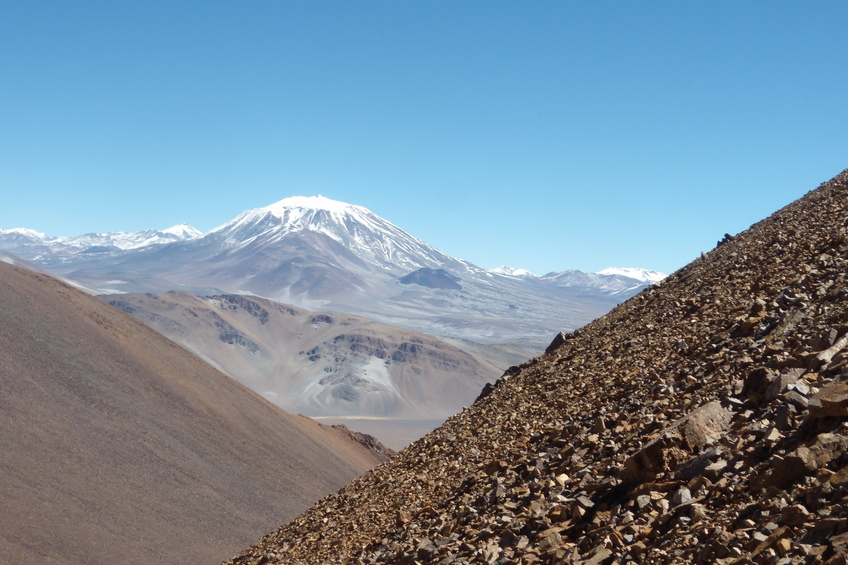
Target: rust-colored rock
column 830, row 401
column 703, row 426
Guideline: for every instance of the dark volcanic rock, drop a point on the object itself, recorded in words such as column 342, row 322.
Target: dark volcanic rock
column 702, row 421
column 432, row 278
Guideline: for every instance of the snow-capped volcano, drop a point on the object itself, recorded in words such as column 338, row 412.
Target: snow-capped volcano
column 355, row 228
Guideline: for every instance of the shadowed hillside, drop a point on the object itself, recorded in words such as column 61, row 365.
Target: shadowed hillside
column 118, row 446
column 703, row 421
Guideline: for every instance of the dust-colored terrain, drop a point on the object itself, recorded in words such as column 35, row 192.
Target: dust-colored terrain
column 118, row 446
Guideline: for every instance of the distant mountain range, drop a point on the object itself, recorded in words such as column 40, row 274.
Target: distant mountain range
column 325, row 255
column 36, row 244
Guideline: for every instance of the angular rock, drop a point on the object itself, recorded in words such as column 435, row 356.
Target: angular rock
column 803, row 461
column 795, row 515
column 703, row 426
column 682, row 496
column 830, row 401
column 556, row 342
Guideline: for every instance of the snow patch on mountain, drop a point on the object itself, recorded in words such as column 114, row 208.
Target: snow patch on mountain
column 643, row 275
column 312, row 203
column 511, row 271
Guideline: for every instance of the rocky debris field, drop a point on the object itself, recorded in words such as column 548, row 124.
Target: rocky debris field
column 703, row 421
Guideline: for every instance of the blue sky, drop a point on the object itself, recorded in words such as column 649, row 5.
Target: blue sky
column 542, row 135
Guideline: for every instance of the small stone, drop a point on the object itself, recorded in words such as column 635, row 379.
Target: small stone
column 797, row 399
column 800, row 387
column 558, row 340
column 599, row 426
column 714, row 470
column 773, row 435
column 783, row 546
column 795, row 515
column 840, row 478
column 682, row 496
column 831, row 400
column 759, row 537
column 402, row 517
column 599, row 555
column 549, row 539
column 780, row 385
column 782, row 420
column 585, row 502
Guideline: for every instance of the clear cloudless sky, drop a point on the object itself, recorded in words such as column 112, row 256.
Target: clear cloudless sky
column 542, row 135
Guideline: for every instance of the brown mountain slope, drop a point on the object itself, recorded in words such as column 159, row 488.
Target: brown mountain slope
column 323, row 365
column 703, row 421
column 119, row 446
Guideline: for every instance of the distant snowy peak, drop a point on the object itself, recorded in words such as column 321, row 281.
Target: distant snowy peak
column 610, row 281
column 126, row 240
column 25, row 232
column 643, row 275
column 30, row 243
column 119, row 239
column 512, row 271
column 573, row 277
column 183, row 231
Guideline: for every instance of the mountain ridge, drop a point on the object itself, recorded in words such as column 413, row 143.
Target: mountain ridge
column 281, row 209
column 320, row 254
column 701, row 421
column 32, row 242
